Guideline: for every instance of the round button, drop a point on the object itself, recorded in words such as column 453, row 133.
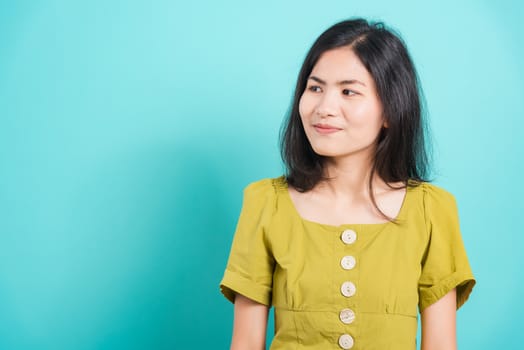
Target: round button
column 348, row 289
column 348, row 262
column 347, row 316
column 349, row 236
column 345, row 341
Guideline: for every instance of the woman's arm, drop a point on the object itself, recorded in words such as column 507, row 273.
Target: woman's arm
column 250, row 324
column 439, row 324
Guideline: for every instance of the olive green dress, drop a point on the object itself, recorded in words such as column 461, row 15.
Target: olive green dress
column 353, row 286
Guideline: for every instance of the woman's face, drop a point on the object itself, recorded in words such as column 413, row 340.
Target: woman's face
column 340, row 109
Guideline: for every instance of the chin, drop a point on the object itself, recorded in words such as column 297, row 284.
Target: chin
column 327, row 151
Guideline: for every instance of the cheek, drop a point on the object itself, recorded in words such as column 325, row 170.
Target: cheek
column 304, row 106
column 366, row 115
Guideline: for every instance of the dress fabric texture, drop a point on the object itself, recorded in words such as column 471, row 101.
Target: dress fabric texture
column 357, row 286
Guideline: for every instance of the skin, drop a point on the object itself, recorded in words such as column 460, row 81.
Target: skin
column 249, row 325
column 342, row 117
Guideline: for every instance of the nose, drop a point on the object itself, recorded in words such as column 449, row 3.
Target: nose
column 326, row 105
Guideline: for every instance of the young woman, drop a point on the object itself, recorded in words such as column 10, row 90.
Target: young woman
column 353, row 239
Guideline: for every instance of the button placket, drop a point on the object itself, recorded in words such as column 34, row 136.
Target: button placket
column 348, row 288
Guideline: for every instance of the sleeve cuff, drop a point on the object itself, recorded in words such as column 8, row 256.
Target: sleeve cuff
column 234, row 283
column 463, row 281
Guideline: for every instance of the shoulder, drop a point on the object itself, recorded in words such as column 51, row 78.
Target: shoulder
column 263, row 194
column 260, row 202
column 265, row 187
column 439, row 205
column 435, row 193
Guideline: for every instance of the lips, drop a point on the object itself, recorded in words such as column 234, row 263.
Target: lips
column 325, row 128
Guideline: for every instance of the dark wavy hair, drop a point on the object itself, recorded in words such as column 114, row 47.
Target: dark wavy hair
column 402, row 154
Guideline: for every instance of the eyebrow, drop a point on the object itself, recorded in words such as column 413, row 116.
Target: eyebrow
column 342, row 82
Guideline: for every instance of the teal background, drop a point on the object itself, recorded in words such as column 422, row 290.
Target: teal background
column 129, row 129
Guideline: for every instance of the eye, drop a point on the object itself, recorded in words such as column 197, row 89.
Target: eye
column 348, row 92
column 314, row 88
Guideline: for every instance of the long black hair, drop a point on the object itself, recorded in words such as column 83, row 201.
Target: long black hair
column 402, row 154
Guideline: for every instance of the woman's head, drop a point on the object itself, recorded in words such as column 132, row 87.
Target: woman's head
column 357, row 90
column 340, row 110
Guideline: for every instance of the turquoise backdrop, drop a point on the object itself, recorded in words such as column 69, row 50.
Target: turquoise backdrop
column 128, row 130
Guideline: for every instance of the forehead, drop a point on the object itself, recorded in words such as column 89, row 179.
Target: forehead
column 341, row 64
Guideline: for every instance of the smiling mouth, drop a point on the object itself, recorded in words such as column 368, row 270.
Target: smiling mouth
column 325, row 129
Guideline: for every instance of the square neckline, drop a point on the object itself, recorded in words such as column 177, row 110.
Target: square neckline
column 399, row 218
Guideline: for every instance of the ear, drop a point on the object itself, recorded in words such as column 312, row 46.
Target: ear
column 386, row 125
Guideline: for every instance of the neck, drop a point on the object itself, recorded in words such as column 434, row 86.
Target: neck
column 349, row 176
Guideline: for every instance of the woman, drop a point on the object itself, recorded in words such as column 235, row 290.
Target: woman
column 353, row 239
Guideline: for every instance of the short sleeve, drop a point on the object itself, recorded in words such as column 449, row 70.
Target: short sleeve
column 445, row 264
column 249, row 270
